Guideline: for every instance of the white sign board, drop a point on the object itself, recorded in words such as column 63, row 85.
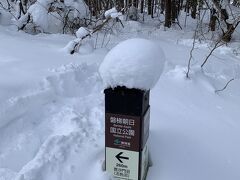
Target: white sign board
column 122, row 164
column 125, row 164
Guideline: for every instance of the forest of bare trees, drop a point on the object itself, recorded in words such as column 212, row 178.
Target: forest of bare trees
column 221, row 12
column 69, row 15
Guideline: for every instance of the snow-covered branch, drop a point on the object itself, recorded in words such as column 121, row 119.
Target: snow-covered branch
column 82, row 33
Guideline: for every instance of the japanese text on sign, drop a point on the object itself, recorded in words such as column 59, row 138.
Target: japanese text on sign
column 123, row 131
column 123, row 121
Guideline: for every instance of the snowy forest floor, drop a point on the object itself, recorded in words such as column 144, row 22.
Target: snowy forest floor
column 52, row 108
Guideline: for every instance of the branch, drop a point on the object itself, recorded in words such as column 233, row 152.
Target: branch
column 224, row 86
column 210, row 53
column 77, row 42
column 191, row 52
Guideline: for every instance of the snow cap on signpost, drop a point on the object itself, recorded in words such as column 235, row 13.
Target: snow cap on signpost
column 134, row 63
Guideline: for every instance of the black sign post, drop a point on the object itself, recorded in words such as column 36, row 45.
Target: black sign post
column 127, row 117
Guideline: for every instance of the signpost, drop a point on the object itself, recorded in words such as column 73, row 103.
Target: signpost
column 127, row 117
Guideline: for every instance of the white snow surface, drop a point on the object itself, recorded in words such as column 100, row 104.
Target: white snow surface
column 134, row 63
column 52, row 109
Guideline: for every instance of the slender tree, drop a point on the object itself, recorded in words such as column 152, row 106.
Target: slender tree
column 168, row 11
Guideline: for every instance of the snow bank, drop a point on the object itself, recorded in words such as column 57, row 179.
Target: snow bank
column 51, row 21
column 134, row 63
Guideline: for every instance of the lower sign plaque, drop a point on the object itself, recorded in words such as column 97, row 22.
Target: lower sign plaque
column 122, row 164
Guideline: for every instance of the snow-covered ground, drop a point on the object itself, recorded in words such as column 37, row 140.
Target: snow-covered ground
column 52, row 109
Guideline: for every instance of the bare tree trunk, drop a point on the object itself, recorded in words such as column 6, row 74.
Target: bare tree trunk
column 120, row 5
column 224, row 14
column 162, row 6
column 213, row 19
column 142, row 6
column 130, row 2
column 178, row 6
column 152, row 12
column 173, row 10
column 135, row 3
column 21, row 9
column 150, row 7
column 212, row 23
column 168, row 13
column 24, row 4
column 121, row 2
column 194, row 9
column 187, row 6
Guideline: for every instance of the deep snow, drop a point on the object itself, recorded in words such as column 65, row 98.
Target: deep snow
column 52, row 109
